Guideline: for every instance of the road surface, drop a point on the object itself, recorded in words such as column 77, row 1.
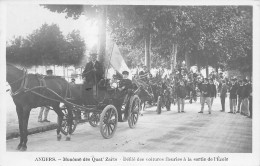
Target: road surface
column 168, row 132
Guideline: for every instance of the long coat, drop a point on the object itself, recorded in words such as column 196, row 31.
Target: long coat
column 233, row 91
column 181, row 92
column 93, row 77
column 213, row 92
column 223, row 90
column 205, row 90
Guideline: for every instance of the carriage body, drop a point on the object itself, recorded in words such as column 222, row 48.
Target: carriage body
column 109, row 107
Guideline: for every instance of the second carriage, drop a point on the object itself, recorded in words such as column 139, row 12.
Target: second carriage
column 155, row 92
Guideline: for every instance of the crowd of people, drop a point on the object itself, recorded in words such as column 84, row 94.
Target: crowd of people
column 183, row 84
column 189, row 84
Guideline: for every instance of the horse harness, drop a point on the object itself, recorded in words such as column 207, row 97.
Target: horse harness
column 23, row 85
column 42, row 86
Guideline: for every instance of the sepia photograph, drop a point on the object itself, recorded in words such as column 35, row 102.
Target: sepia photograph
column 155, row 83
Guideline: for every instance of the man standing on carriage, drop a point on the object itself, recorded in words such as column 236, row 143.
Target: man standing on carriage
column 92, row 74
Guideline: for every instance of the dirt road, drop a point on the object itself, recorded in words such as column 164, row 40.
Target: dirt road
column 169, row 132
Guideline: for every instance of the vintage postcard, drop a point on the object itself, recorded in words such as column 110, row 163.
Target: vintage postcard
column 129, row 82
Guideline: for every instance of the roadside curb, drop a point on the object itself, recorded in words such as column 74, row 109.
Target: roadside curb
column 16, row 134
column 51, row 126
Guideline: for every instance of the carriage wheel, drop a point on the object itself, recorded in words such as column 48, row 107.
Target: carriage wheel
column 134, row 110
column 108, row 121
column 94, row 119
column 64, row 123
column 159, row 105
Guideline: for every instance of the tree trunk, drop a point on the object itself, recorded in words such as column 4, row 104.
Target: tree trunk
column 147, row 51
column 174, row 56
column 102, row 36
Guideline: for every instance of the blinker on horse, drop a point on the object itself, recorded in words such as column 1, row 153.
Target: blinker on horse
column 31, row 91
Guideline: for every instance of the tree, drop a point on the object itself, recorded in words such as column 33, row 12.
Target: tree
column 91, row 12
column 205, row 35
column 47, row 46
column 74, row 49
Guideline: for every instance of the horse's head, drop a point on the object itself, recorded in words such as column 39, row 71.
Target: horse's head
column 14, row 74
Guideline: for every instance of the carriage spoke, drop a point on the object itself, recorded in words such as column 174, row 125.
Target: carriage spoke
column 109, row 114
column 105, row 129
column 108, row 129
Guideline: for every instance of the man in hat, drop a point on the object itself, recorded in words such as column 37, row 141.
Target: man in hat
column 125, row 83
column 199, row 85
column 250, row 98
column 239, row 94
column 45, row 110
column 232, row 96
column 92, row 74
column 205, row 91
column 213, row 91
column 181, row 94
column 245, row 95
column 72, row 82
column 144, row 75
column 223, row 94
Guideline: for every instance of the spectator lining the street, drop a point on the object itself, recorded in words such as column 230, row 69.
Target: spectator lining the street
column 181, row 94
column 250, row 100
column 206, row 91
column 213, row 91
column 223, row 95
column 239, row 95
column 245, row 96
column 232, row 96
column 72, row 81
column 45, row 109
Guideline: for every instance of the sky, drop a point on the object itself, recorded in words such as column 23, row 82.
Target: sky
column 23, row 19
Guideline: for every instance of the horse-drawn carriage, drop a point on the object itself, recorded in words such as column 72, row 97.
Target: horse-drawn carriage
column 155, row 92
column 32, row 91
column 111, row 107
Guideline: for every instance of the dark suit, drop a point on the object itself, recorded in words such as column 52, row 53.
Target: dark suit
column 92, row 78
column 206, row 91
column 233, row 97
column 125, row 83
column 223, row 94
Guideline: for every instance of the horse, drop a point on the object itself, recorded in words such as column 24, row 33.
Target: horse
column 147, row 92
column 31, row 91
